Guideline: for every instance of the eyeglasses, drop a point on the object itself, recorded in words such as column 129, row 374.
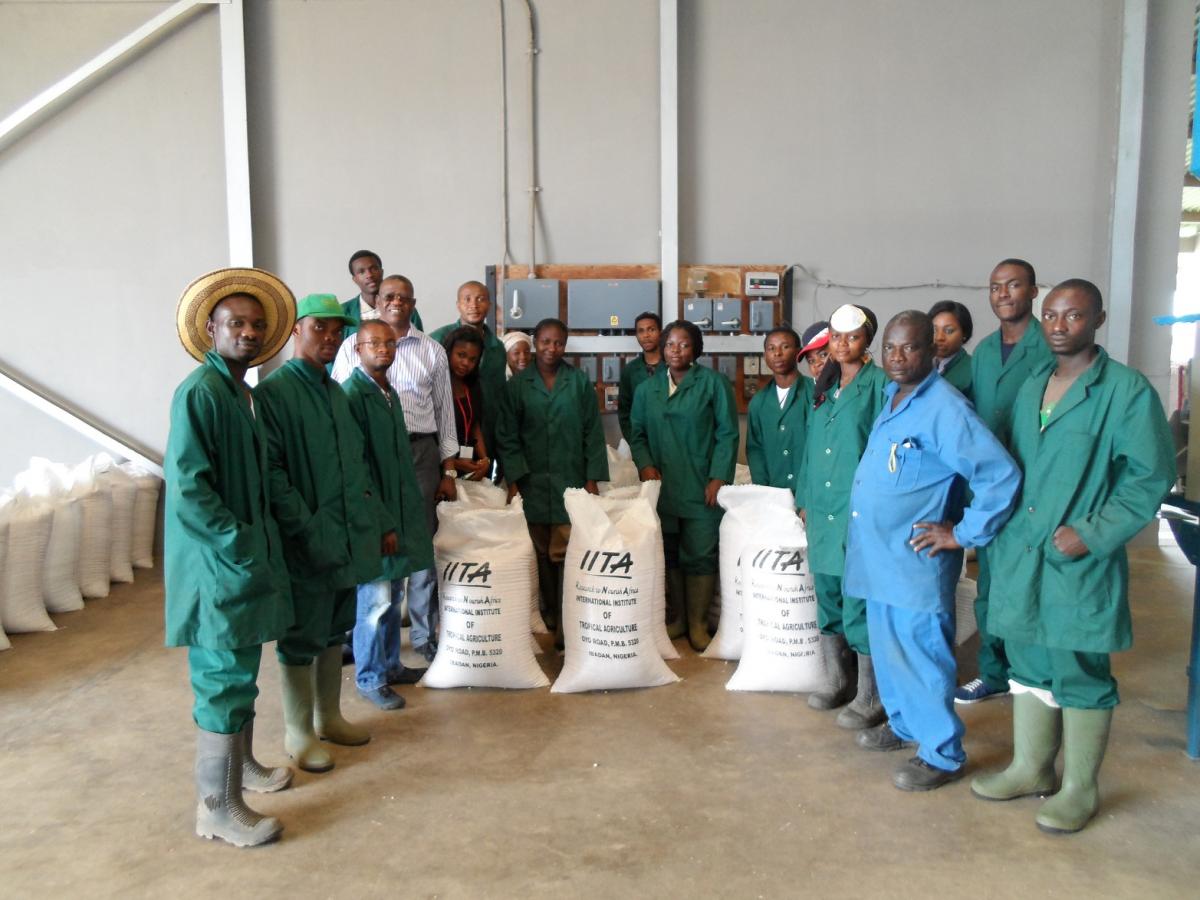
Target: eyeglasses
column 378, row 345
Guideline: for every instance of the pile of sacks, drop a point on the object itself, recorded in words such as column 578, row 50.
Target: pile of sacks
column 67, row 534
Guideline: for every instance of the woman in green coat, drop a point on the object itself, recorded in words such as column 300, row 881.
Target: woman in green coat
column 684, row 432
column 549, row 438
column 847, row 399
column 777, row 418
column 952, row 328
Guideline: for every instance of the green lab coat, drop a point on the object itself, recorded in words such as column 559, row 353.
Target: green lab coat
column 775, row 435
column 550, row 440
column 226, row 582
column 320, row 489
column 958, row 373
column 350, row 311
column 397, row 498
column 691, row 437
column 994, row 384
column 492, row 378
column 1102, row 465
column 837, row 435
column 632, row 376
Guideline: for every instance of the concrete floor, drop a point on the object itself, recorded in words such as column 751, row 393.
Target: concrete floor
column 673, row 791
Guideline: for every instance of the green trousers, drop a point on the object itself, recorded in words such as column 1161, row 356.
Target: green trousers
column 224, row 687
column 993, row 658
column 1075, row 680
column 691, row 544
column 839, row 614
column 322, row 619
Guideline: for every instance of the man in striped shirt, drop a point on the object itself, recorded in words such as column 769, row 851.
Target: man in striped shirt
column 421, row 378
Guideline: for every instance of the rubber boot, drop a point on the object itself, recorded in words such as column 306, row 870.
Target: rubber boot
column 255, row 776
column 559, row 573
column 699, row 592
column 546, row 584
column 1037, row 734
column 676, row 619
column 866, row 709
column 1085, row 738
column 329, row 723
column 220, row 810
column 838, row 661
column 299, row 739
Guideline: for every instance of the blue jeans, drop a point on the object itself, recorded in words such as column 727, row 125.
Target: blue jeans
column 377, row 633
column 423, row 607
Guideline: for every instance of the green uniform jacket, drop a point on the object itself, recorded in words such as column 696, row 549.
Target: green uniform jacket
column 1102, row 465
column 350, row 311
column 320, row 489
column 397, row 498
column 226, row 582
column 550, row 440
column 994, row 384
column 691, row 437
column 958, row 373
column 492, row 378
column 775, row 435
column 632, row 377
column 837, row 435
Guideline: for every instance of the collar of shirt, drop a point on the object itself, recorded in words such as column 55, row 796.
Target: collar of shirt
column 366, row 312
column 313, row 375
column 360, row 372
column 892, row 388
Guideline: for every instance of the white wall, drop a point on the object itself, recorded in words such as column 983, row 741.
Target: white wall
column 874, row 142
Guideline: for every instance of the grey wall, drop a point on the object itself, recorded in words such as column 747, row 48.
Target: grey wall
column 874, row 142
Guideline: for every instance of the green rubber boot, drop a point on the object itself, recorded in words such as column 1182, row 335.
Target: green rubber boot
column 676, row 620
column 299, row 739
column 1037, row 734
column 330, row 725
column 699, row 591
column 1085, row 738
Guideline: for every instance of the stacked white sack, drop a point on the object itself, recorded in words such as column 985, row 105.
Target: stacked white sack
column 26, row 523
column 145, row 514
column 95, row 532
column 483, row 578
column 622, row 471
column 965, row 625
column 124, row 494
column 608, row 596
column 49, row 484
column 748, row 509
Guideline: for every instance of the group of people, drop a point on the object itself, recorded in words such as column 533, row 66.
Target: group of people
column 302, row 510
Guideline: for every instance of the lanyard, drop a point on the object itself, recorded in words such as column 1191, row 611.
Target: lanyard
column 467, row 413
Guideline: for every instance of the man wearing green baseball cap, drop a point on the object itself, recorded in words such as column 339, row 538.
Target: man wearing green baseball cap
column 320, row 493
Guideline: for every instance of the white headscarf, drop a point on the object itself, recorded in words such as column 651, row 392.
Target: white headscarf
column 510, row 340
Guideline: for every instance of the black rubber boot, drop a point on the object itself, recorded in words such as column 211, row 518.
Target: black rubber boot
column 676, row 620
column 866, row 709
column 839, row 663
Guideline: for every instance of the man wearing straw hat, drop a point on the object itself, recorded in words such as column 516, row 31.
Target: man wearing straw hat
column 321, row 498
column 227, row 589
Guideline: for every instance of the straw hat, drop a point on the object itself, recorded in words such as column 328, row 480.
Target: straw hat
column 202, row 295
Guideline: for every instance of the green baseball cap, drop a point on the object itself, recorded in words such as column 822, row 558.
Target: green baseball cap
column 321, row 306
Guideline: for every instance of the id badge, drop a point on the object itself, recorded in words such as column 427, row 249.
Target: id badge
column 465, row 452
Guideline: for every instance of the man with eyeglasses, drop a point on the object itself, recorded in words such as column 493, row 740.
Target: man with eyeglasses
column 366, row 270
column 420, row 375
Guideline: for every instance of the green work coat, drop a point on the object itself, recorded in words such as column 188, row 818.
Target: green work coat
column 837, row 435
column 492, row 378
column 350, row 309
column 775, row 435
column 320, row 488
column 958, row 373
column 691, row 437
column 397, row 498
column 1102, row 465
column 632, row 377
column 225, row 577
column 550, row 440
column 994, row 384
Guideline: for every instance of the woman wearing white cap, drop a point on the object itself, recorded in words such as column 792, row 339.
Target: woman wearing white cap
column 848, row 396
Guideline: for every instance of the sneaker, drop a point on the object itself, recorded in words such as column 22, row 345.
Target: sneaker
column 975, row 691
column 881, row 738
column 405, row 675
column 918, row 775
column 383, row 697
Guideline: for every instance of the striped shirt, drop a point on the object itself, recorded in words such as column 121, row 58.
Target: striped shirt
column 421, row 377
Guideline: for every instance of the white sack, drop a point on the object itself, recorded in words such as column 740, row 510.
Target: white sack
column 622, row 471
column 483, row 578
column 741, row 475
column 4, row 642
column 608, row 594
column 780, row 652
column 124, row 494
column 27, row 525
column 95, row 533
column 60, row 576
column 145, row 515
column 965, row 625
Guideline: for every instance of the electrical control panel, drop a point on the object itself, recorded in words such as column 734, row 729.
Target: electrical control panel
column 587, row 364
column 529, row 300
column 727, row 315
column 762, row 316
column 699, row 313
column 763, row 284
column 599, row 304
column 727, row 366
column 610, row 369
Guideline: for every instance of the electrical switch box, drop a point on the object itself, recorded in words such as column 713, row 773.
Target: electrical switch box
column 763, row 284
column 587, row 364
column 751, row 365
column 529, row 300
column 699, row 313
column 610, row 369
column 598, row 304
column 706, row 361
column 727, row 366
column 762, row 316
column 727, row 314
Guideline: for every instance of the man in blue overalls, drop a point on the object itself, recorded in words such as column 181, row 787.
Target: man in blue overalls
column 908, row 528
